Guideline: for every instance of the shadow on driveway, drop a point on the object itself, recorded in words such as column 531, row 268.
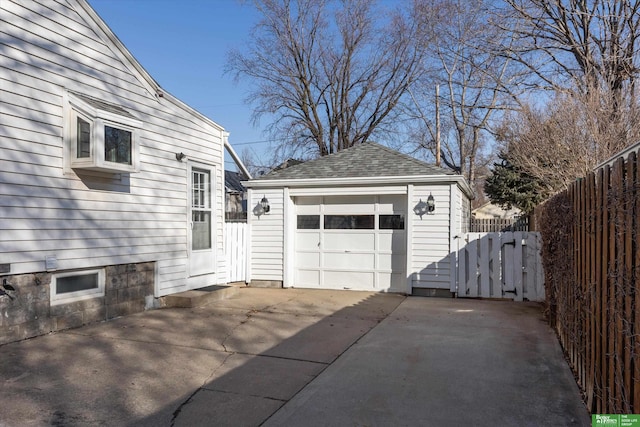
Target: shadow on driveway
column 297, row 357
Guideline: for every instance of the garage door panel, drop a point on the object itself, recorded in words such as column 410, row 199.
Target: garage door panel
column 308, row 260
column 307, row 277
column 307, row 241
column 349, row 241
column 392, row 281
column 349, row 261
column 392, row 242
column 349, row 279
column 391, row 262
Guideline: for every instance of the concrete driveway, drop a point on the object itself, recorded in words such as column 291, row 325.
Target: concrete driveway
column 297, row 357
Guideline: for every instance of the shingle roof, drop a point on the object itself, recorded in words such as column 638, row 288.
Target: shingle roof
column 232, row 182
column 361, row 161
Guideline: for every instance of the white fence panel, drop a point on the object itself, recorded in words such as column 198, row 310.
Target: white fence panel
column 235, row 240
column 501, row 265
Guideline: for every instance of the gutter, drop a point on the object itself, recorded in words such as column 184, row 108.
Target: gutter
column 235, row 156
column 342, row 182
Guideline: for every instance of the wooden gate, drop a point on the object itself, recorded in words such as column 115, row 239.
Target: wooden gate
column 500, row 265
column 235, row 248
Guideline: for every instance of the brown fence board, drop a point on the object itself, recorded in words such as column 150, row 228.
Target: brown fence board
column 618, row 353
column 627, row 282
column 591, row 256
column 635, row 349
column 591, row 326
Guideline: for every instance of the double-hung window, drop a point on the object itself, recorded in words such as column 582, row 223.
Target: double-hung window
column 102, row 136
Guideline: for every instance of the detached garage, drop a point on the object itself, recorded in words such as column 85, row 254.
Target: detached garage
column 366, row 218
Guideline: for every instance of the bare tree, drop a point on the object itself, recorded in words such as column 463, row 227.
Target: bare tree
column 330, row 73
column 578, row 44
column 473, row 80
column 566, row 138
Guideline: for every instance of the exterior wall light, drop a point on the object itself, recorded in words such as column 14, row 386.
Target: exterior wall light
column 180, row 156
column 425, row 208
column 264, row 203
column 431, row 204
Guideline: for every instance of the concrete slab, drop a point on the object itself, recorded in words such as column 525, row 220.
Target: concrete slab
column 215, row 408
column 195, row 327
column 73, row 380
column 154, row 368
column 237, row 361
column 268, row 377
column 446, row 362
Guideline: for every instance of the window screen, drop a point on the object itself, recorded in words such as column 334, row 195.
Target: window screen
column 391, row 222
column 308, row 222
column 349, row 222
column 83, row 139
column 117, row 145
column 77, row 283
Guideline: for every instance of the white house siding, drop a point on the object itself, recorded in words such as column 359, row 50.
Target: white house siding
column 267, row 235
column 91, row 219
column 430, row 238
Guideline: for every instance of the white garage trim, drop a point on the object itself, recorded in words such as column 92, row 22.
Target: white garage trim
column 340, row 184
column 349, row 191
column 409, row 231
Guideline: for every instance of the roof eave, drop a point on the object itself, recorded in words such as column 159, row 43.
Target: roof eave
column 378, row 180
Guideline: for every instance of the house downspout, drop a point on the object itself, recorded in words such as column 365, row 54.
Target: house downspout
column 234, row 156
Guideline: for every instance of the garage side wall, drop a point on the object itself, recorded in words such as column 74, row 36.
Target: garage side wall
column 267, row 237
column 430, row 239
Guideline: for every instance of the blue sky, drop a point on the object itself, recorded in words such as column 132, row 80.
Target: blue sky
column 183, row 45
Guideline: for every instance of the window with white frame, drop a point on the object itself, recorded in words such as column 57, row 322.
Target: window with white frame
column 76, row 285
column 101, row 136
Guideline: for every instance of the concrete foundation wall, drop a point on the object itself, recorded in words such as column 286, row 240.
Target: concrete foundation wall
column 27, row 312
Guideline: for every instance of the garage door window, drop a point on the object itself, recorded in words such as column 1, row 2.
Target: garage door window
column 391, row 222
column 308, row 222
column 349, row 222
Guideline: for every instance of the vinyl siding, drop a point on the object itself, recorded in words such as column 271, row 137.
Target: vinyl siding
column 89, row 219
column 430, row 238
column 267, row 236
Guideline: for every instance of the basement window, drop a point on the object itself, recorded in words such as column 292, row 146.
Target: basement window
column 101, row 136
column 76, row 285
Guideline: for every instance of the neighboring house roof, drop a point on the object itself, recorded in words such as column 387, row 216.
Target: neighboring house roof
column 232, row 182
column 287, row 164
column 361, row 161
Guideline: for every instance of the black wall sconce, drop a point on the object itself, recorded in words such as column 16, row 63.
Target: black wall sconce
column 264, row 204
column 180, row 156
column 425, row 208
column 431, row 204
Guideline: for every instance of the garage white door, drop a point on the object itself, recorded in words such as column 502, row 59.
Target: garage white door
column 351, row 242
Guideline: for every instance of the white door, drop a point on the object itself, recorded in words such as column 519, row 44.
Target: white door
column 351, row 242
column 201, row 218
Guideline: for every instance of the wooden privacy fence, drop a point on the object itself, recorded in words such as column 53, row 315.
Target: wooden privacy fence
column 591, row 257
column 488, row 225
column 500, row 265
column 235, row 248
